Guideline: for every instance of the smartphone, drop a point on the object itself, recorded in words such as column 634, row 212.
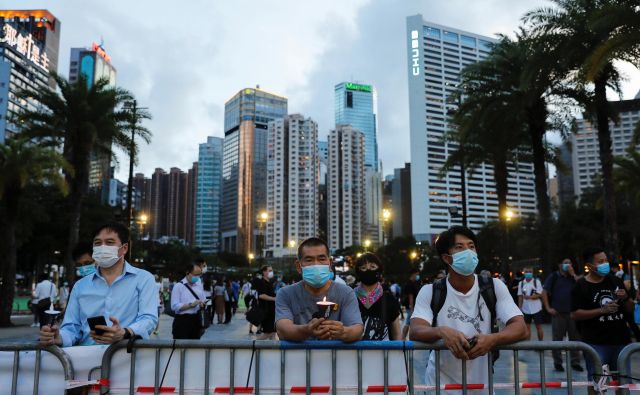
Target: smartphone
column 99, row 320
column 472, row 342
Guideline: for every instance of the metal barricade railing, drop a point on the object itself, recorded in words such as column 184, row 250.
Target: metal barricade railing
column 624, row 364
column 407, row 348
column 16, row 348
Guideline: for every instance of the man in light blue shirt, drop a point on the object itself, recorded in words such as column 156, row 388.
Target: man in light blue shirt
column 122, row 294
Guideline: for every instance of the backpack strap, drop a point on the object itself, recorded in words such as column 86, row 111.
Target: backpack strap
column 488, row 293
column 438, row 296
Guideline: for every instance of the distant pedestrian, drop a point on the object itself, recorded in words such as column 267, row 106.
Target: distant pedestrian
column 45, row 294
column 186, row 302
column 529, row 302
column 218, row 299
column 409, row 295
column 64, row 295
column 556, row 297
column 267, row 302
column 228, row 302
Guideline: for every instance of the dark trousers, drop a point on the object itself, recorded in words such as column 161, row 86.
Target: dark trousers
column 561, row 325
column 227, row 312
column 186, row 326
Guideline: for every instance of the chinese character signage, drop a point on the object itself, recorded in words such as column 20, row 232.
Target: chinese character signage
column 25, row 45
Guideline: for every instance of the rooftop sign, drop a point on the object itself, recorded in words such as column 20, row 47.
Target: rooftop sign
column 358, row 87
column 26, row 46
column 98, row 49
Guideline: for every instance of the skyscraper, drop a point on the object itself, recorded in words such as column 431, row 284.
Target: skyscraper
column 356, row 105
column 28, row 53
column 435, row 56
column 244, row 170
column 345, row 187
column 292, row 182
column 209, row 192
column 192, row 197
column 401, row 200
column 585, row 154
column 94, row 63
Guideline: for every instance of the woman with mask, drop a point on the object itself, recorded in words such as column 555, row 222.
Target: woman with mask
column 219, row 293
column 267, row 298
column 186, row 302
column 379, row 309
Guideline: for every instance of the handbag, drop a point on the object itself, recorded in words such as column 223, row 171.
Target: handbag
column 46, row 302
column 255, row 315
column 205, row 318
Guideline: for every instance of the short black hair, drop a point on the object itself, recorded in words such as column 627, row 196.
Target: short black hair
column 264, row 267
column 188, row 268
column 447, row 239
column 82, row 248
column 200, row 261
column 413, row 271
column 312, row 242
column 43, row 276
column 117, row 227
column 587, row 254
column 371, row 258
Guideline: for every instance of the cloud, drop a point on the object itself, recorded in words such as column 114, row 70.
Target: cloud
column 183, row 61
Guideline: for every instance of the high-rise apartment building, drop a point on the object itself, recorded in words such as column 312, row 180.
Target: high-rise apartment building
column 29, row 41
column 292, row 183
column 157, row 223
column 209, row 192
column 585, row 143
column 401, row 201
column 345, row 187
column 177, row 204
column 244, row 170
column 435, row 56
column 566, row 192
column 192, row 197
column 356, row 105
column 94, row 63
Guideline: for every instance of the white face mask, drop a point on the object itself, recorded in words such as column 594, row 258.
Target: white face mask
column 106, row 256
column 270, row 275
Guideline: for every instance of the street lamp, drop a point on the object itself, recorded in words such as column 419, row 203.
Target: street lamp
column 367, row 244
column 263, row 217
column 413, row 255
column 250, row 256
column 292, row 245
column 386, row 216
column 508, row 215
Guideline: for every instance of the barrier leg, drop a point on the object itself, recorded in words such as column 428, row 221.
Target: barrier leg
column 156, row 377
column 385, row 355
column 282, row 369
column 543, row 376
column 359, row 352
column 14, row 377
column 334, row 362
column 257, row 373
column 207, row 362
column 36, row 373
column 232, row 371
column 308, row 371
column 516, row 372
column 464, row 377
column 437, row 370
column 132, row 372
column 182, row 358
column 567, row 362
column 411, row 381
column 490, row 371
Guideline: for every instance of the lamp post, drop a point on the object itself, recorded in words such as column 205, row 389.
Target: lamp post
column 508, row 217
column 142, row 221
column 367, row 244
column 263, row 217
column 386, row 216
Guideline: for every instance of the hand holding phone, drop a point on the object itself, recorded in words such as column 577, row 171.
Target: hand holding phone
column 98, row 320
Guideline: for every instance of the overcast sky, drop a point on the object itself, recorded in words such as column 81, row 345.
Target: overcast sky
column 184, row 61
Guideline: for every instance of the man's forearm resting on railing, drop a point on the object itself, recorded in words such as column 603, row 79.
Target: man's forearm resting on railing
column 318, row 328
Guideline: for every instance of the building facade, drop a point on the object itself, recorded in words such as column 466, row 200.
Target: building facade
column 244, row 170
column 585, row 143
column 345, row 188
column 401, row 201
column 209, row 193
column 292, row 183
column 435, row 56
column 29, row 43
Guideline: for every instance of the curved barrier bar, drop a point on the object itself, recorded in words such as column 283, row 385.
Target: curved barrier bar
column 624, row 364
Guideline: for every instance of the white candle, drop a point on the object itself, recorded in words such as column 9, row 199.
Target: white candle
column 324, row 303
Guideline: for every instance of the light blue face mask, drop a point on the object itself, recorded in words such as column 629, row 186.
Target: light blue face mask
column 603, row 269
column 84, row 271
column 195, row 279
column 528, row 276
column 465, row 262
column 565, row 267
column 316, row 276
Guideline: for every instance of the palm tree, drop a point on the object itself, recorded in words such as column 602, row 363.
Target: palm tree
column 627, row 179
column 577, row 30
column 82, row 118
column 22, row 164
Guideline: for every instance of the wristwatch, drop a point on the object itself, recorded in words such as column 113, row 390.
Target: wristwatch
column 127, row 334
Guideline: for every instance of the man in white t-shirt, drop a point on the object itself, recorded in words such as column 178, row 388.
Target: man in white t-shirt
column 530, row 301
column 464, row 321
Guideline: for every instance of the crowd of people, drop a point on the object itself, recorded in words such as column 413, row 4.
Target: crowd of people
column 472, row 314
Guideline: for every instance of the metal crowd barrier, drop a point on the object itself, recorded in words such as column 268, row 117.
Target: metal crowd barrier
column 56, row 351
column 407, row 348
column 624, row 364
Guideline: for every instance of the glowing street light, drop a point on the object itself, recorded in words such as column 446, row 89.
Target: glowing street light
column 263, row 217
column 413, row 255
column 508, row 214
column 367, row 244
column 250, row 256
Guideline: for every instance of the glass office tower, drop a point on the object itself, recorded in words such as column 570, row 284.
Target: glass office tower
column 209, row 192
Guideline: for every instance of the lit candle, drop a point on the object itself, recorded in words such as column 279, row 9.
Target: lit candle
column 326, row 305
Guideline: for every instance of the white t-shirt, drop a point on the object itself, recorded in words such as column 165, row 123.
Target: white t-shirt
column 469, row 314
column 246, row 289
column 530, row 306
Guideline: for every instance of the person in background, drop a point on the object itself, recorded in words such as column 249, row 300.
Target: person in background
column 158, row 284
column 267, row 298
column 228, row 302
column 45, row 291
column 379, row 309
column 219, row 292
column 186, row 302
column 529, row 302
column 556, row 297
column 410, row 292
column 63, row 293
column 598, row 301
column 82, row 257
column 299, row 316
column 117, row 291
column 247, row 296
column 235, row 286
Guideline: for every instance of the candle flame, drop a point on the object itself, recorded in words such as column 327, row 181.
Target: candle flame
column 324, row 299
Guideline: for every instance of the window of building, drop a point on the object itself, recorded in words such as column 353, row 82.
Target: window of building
column 349, row 99
column 431, row 32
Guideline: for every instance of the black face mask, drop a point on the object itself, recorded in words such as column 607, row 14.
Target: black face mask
column 368, row 277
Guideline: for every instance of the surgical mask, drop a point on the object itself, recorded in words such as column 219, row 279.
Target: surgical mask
column 603, row 269
column 528, row 276
column 464, row 262
column 368, row 277
column 84, row 271
column 106, row 256
column 316, row 276
column 565, row 267
column 195, row 279
column 204, row 269
column 270, row 275
column 418, row 278
column 619, row 274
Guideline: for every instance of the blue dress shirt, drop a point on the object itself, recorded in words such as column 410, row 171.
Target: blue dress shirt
column 131, row 298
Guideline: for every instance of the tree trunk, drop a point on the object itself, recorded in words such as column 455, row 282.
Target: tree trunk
column 606, row 161
column 537, row 128
column 79, row 183
column 501, row 178
column 7, row 290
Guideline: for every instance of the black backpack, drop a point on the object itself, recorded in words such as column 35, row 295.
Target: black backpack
column 488, row 293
